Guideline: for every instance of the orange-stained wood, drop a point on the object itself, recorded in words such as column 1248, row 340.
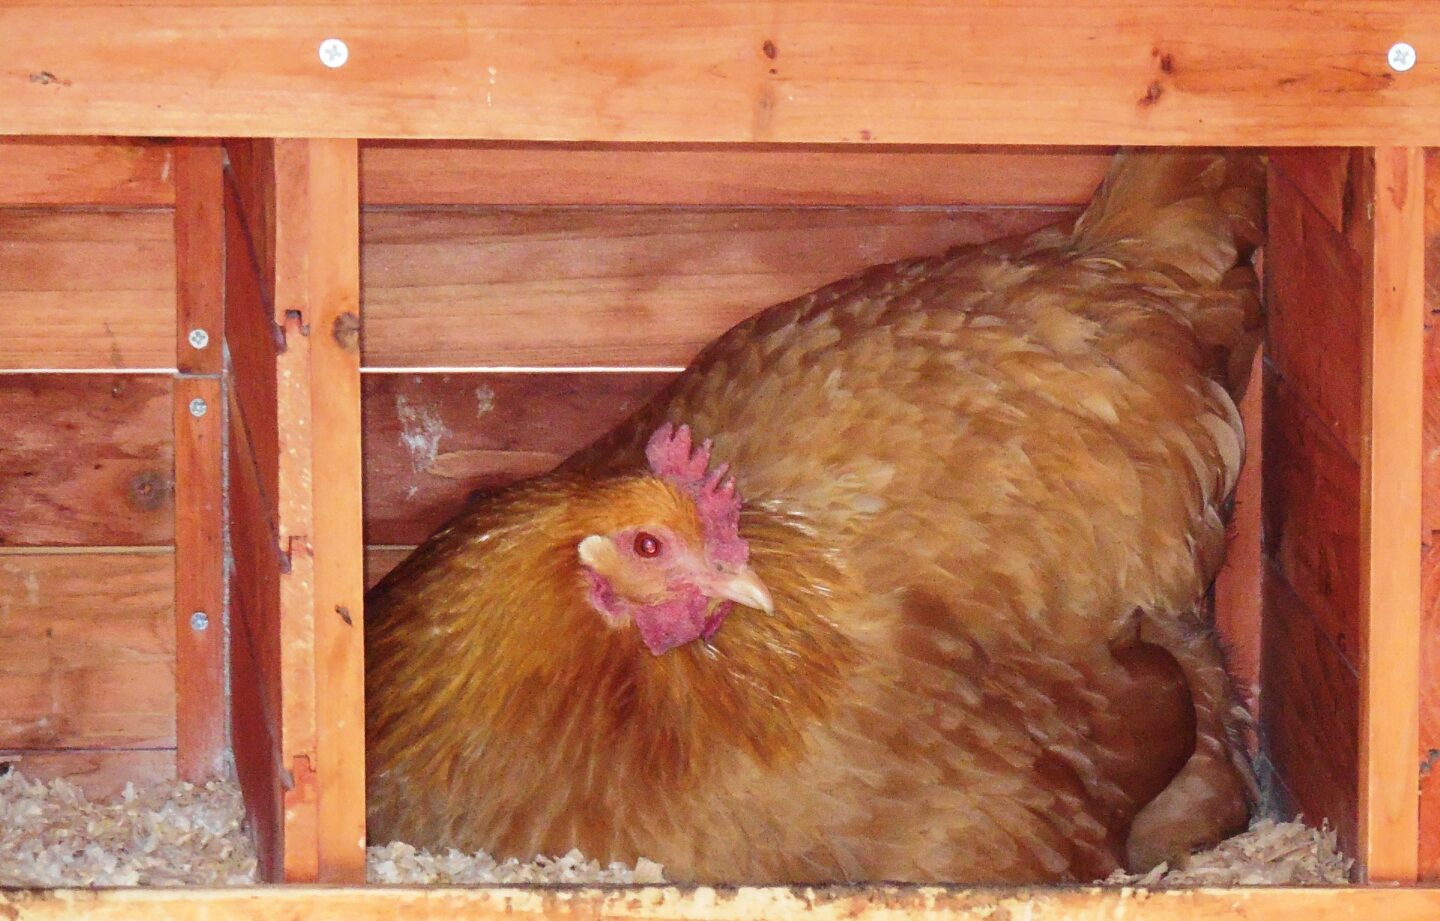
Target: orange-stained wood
column 317, row 295
column 972, row 71
column 99, row 772
column 484, row 287
column 515, row 174
column 1430, row 530
column 87, row 643
column 199, row 256
column 433, row 439
column 1390, row 530
column 1238, row 604
column 86, row 289
column 751, row 903
column 199, row 580
column 85, row 460
column 253, row 466
column 85, row 172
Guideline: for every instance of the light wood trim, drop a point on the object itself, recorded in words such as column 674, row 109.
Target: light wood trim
column 317, row 290
column 907, row 71
column 200, row 741
column 1390, row 531
column 877, row 903
column 199, row 255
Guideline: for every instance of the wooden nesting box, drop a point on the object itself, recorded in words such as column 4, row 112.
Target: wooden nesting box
column 450, row 255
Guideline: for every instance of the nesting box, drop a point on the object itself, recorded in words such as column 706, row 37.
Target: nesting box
column 246, row 370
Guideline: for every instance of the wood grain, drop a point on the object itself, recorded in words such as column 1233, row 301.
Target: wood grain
column 1315, row 299
column 1313, row 516
column 749, row 903
column 101, row 773
column 86, row 460
column 317, row 296
column 200, row 255
column 1430, row 537
column 380, row 560
column 1390, row 530
column 87, row 650
column 199, row 581
column 1045, row 72
column 1238, row 599
column 433, row 439
column 481, row 287
column 447, row 174
column 1309, row 713
column 87, row 289
column 85, row 172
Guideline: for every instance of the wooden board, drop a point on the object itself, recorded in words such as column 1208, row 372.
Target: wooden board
column 101, row 773
column 86, row 460
column 87, row 172
column 433, row 439
column 874, row 903
column 1083, row 71
column 87, row 289
column 81, row 667
column 446, row 174
column 646, row 288
column 1390, row 530
column 1430, row 536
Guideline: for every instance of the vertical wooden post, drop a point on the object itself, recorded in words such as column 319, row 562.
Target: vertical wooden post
column 1390, row 530
column 317, row 296
column 200, row 726
column 1430, row 533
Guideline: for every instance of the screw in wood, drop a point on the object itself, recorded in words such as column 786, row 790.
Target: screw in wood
column 198, row 338
column 334, row 53
column 198, row 407
column 199, row 621
column 1401, row 56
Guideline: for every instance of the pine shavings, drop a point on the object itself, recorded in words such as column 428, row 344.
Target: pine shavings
column 170, row 834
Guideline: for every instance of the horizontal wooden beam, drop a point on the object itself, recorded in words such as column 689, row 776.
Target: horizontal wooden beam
column 910, row 71
column 745, row 904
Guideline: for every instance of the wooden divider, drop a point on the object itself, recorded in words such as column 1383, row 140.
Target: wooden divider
column 296, row 524
column 1430, row 535
column 1342, row 502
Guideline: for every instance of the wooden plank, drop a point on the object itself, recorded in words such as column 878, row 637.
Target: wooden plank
column 805, row 71
column 317, row 296
column 86, row 460
column 380, row 560
column 446, row 174
column 85, row 172
column 87, row 289
column 200, row 256
column 101, row 773
column 467, row 288
column 1309, row 719
column 199, row 581
column 1390, row 530
column 746, row 903
column 1430, row 536
column 81, row 667
column 1238, row 605
column 1315, row 298
column 433, row 439
column 1313, row 516
column 1322, row 176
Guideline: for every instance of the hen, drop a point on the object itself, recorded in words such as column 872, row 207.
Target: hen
column 953, row 631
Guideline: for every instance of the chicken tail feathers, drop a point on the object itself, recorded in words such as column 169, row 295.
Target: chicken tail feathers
column 1196, row 218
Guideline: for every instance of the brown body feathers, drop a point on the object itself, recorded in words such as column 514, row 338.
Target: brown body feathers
column 986, row 492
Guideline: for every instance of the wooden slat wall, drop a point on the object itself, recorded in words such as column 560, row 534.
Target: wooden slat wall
column 87, row 468
column 906, row 71
column 1342, row 479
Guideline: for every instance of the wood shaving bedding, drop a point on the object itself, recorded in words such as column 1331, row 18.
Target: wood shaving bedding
column 183, row 834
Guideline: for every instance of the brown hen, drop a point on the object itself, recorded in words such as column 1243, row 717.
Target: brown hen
column 957, row 632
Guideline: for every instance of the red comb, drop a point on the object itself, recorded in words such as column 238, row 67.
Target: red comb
column 673, row 456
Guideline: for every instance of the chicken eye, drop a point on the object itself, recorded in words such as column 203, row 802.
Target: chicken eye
column 647, row 545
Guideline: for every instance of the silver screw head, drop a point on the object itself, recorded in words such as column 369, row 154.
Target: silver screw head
column 334, row 53
column 1401, row 56
column 199, row 621
column 198, row 407
column 198, row 338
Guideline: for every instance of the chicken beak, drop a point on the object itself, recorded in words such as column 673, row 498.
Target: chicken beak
column 743, row 587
